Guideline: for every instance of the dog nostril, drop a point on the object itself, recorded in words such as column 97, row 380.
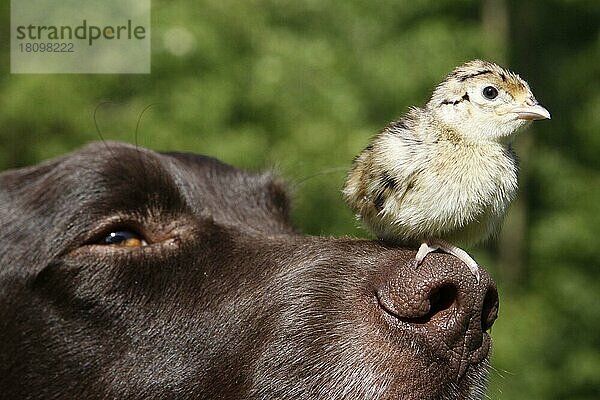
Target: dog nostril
column 419, row 308
column 441, row 299
column 489, row 311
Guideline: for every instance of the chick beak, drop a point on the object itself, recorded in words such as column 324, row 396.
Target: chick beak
column 531, row 112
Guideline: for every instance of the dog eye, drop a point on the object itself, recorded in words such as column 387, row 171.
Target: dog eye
column 124, row 238
column 490, row 92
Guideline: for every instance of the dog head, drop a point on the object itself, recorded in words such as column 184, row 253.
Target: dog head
column 126, row 273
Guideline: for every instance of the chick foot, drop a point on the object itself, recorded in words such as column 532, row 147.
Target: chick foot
column 437, row 244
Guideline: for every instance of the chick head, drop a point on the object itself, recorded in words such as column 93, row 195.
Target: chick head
column 483, row 101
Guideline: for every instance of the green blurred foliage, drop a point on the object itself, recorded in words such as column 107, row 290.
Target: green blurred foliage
column 301, row 86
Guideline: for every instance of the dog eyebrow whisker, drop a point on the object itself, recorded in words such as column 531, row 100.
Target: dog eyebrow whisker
column 136, row 132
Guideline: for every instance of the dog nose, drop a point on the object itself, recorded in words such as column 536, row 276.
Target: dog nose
column 442, row 304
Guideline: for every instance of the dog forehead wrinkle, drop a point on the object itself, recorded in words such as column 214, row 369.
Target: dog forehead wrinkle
column 104, row 172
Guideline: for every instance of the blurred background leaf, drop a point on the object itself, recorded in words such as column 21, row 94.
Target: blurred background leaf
column 301, row 86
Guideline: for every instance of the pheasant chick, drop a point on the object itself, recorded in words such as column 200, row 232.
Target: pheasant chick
column 446, row 173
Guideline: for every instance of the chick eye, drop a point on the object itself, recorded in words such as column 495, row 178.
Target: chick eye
column 124, row 238
column 490, row 92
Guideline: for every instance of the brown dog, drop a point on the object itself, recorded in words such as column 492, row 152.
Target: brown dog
column 125, row 273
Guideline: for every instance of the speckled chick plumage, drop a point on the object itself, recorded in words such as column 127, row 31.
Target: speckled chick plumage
column 446, row 171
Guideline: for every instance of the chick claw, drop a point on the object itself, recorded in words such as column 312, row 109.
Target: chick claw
column 433, row 245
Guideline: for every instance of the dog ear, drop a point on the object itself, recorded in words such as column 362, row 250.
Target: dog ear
column 260, row 200
column 276, row 197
